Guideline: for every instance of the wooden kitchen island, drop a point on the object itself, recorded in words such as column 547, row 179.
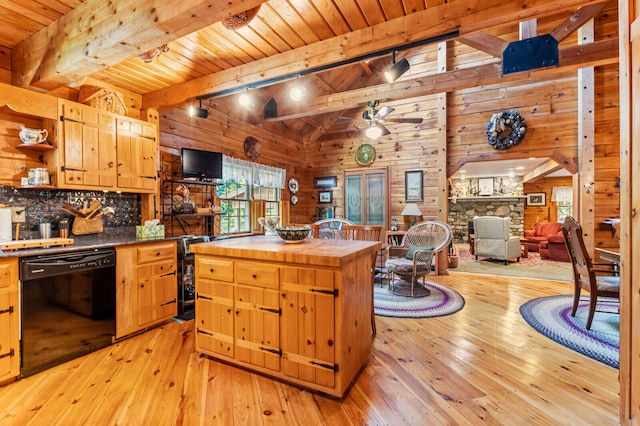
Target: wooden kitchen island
column 297, row 312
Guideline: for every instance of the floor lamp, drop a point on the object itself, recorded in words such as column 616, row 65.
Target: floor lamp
column 411, row 213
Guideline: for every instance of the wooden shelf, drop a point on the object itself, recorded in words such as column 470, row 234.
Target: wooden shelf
column 38, row 187
column 36, row 147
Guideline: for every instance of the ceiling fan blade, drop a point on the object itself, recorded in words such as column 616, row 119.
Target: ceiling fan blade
column 385, row 131
column 340, row 117
column 383, row 112
column 404, row 120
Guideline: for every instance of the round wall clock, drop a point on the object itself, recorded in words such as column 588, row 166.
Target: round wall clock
column 293, row 185
column 366, row 154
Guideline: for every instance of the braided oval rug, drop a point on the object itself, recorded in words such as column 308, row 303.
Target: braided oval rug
column 551, row 316
column 441, row 301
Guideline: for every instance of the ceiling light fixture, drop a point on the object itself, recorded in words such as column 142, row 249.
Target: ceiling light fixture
column 298, row 91
column 373, row 132
column 397, row 69
column 246, row 101
column 199, row 112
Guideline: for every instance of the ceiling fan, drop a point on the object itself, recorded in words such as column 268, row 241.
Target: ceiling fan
column 374, row 119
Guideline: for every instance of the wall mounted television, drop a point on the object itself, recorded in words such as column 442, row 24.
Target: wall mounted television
column 202, row 165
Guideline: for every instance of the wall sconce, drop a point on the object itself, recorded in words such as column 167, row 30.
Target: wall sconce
column 588, row 186
column 397, row 69
column 411, row 213
column 199, row 112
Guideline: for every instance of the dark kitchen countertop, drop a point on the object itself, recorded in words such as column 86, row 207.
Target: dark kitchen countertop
column 114, row 238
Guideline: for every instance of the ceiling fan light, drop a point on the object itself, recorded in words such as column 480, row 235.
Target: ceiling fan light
column 396, row 70
column 373, row 132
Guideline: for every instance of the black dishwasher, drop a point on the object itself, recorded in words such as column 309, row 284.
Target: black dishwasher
column 67, row 306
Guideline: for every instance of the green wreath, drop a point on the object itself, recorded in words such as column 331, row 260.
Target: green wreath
column 506, row 129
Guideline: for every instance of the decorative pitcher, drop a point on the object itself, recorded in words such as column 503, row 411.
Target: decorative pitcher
column 33, row 136
column 269, row 224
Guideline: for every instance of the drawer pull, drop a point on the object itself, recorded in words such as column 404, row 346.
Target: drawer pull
column 9, row 310
column 10, row 353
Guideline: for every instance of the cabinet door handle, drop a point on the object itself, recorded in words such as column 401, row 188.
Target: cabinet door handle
column 9, row 310
column 10, row 353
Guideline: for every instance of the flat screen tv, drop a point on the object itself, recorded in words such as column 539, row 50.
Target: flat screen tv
column 202, row 165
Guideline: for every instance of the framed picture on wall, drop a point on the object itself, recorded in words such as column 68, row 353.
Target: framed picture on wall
column 324, row 197
column 536, row 199
column 413, row 185
column 324, row 213
column 325, row 182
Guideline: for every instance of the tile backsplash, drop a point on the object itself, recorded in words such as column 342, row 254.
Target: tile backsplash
column 46, row 206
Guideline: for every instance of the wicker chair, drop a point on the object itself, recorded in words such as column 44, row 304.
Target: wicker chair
column 412, row 259
column 366, row 233
column 329, row 229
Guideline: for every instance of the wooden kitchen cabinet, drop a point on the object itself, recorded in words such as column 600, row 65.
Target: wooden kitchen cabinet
column 296, row 312
column 86, row 148
column 137, row 150
column 146, row 286
column 9, row 320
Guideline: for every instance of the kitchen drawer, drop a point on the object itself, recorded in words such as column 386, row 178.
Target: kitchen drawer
column 155, row 252
column 214, row 269
column 258, row 274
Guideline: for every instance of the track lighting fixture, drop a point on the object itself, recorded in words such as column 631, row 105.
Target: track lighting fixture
column 246, row 101
column 298, row 91
column 199, row 112
column 397, row 69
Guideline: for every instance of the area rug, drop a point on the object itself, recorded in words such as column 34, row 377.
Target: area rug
column 551, row 316
column 442, row 301
column 530, row 267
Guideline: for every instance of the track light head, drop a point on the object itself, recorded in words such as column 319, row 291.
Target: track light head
column 396, row 70
column 199, row 112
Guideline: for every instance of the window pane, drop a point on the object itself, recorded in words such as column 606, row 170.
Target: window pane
column 353, row 209
column 375, row 199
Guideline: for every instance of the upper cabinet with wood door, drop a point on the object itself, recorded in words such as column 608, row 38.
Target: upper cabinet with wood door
column 137, row 155
column 86, row 149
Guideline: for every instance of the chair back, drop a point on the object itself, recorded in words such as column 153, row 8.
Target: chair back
column 583, row 273
column 430, row 233
column 362, row 232
column 330, row 229
column 492, row 228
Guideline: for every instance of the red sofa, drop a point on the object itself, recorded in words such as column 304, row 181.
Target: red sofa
column 546, row 238
column 540, row 232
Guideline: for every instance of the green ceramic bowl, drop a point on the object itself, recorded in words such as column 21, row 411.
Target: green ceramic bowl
column 293, row 234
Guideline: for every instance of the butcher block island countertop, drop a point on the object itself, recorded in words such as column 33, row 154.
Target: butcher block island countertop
column 296, row 312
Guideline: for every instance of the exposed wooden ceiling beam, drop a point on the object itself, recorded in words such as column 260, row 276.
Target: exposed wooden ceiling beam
column 98, row 34
column 576, row 20
column 544, row 169
column 423, row 25
column 486, row 42
column 571, row 58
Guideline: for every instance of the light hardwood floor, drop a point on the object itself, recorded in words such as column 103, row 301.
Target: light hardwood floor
column 482, row 365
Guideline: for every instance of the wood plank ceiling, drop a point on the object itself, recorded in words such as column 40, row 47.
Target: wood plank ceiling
column 55, row 43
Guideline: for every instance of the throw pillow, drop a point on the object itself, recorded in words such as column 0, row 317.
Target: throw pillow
column 412, row 250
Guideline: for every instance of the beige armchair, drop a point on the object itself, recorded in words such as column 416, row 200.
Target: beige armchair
column 493, row 238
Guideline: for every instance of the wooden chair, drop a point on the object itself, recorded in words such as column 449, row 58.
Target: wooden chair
column 330, row 229
column 366, row 233
column 584, row 271
column 412, row 259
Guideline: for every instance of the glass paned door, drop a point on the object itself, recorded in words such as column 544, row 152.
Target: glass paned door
column 367, row 196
